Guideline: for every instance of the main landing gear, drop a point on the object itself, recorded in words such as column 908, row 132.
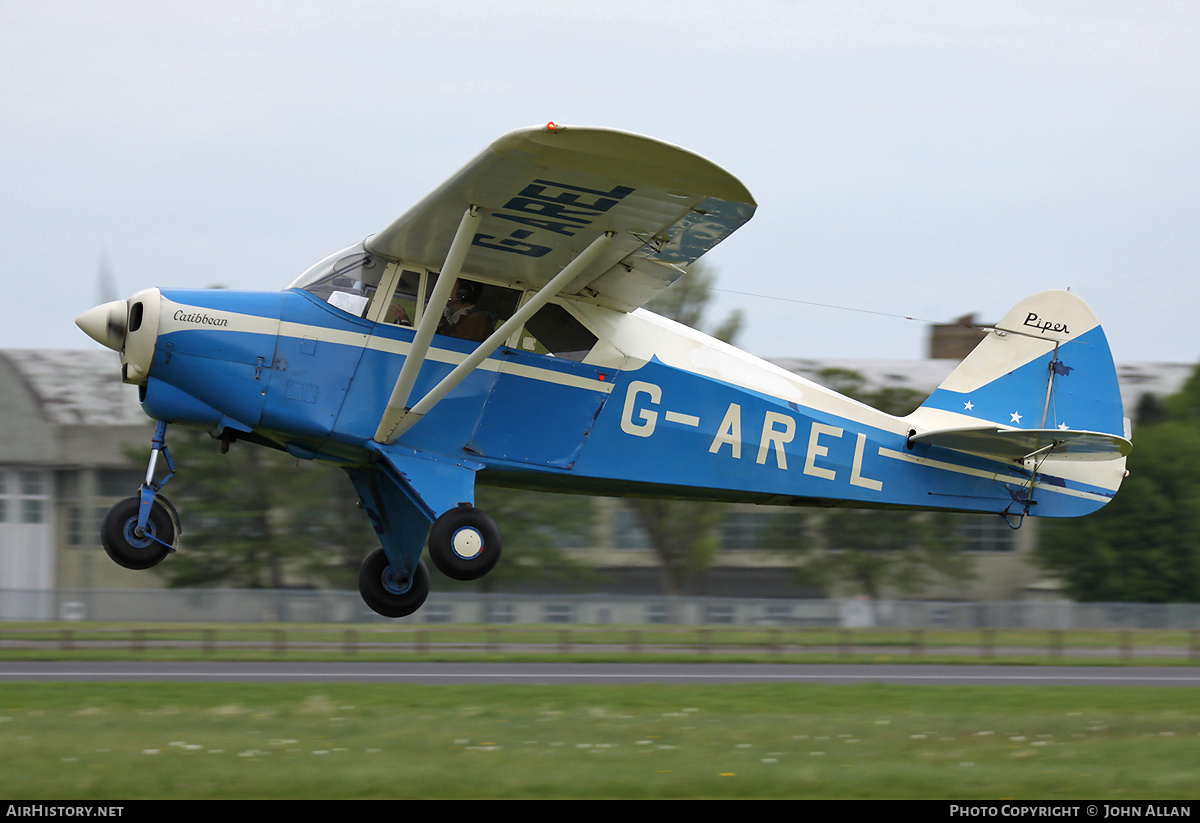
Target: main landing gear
column 140, row 531
column 464, row 544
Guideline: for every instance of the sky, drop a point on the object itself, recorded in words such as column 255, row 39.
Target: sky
column 913, row 162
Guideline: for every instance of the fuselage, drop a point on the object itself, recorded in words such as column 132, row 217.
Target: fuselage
column 654, row 408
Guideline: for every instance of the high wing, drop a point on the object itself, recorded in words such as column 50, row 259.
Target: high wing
column 543, row 195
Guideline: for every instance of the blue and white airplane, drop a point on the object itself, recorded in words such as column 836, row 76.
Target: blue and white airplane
column 493, row 334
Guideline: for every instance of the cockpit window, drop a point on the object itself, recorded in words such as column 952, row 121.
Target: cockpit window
column 475, row 309
column 350, row 278
column 553, row 330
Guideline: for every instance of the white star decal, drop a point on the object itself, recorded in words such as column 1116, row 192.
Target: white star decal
column 968, row 405
column 1016, row 418
column 1063, row 426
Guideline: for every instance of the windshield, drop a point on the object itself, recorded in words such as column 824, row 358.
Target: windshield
column 345, row 279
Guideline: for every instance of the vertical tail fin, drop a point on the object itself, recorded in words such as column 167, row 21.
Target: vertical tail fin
column 1046, row 365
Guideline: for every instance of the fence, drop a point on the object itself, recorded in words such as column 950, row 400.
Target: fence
column 291, row 606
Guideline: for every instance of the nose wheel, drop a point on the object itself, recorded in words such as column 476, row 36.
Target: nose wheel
column 139, row 532
column 137, row 547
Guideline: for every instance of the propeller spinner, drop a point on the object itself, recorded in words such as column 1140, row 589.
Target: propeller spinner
column 106, row 323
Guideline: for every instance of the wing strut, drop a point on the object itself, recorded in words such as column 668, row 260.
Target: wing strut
column 397, row 405
column 398, row 419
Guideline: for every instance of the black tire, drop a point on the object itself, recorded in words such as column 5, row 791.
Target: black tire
column 388, row 593
column 127, row 548
column 464, row 543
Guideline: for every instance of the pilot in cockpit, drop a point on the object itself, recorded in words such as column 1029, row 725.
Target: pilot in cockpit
column 462, row 319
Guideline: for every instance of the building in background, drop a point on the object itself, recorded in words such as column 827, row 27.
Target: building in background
column 66, row 431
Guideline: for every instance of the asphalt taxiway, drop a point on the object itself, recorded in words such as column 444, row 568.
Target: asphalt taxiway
column 595, row 673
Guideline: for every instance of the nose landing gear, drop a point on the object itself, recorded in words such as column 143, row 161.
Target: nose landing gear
column 140, row 531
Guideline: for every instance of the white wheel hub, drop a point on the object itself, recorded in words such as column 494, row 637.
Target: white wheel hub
column 467, row 542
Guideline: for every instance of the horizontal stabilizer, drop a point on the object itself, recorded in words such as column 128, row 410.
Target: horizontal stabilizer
column 1021, row 444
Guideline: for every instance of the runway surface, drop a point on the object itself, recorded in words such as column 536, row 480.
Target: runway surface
column 566, row 674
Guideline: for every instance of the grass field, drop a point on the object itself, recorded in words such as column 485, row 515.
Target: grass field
column 171, row 740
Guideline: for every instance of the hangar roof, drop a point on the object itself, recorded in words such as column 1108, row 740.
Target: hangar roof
column 77, row 387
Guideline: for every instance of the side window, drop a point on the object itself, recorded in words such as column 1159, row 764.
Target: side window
column 402, row 311
column 553, row 330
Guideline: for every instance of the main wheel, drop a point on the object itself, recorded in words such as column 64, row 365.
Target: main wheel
column 118, row 534
column 464, row 543
column 389, row 592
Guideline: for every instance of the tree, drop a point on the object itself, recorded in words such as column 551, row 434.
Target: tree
column 872, row 551
column 684, row 533
column 687, row 301
column 891, row 399
column 1144, row 546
